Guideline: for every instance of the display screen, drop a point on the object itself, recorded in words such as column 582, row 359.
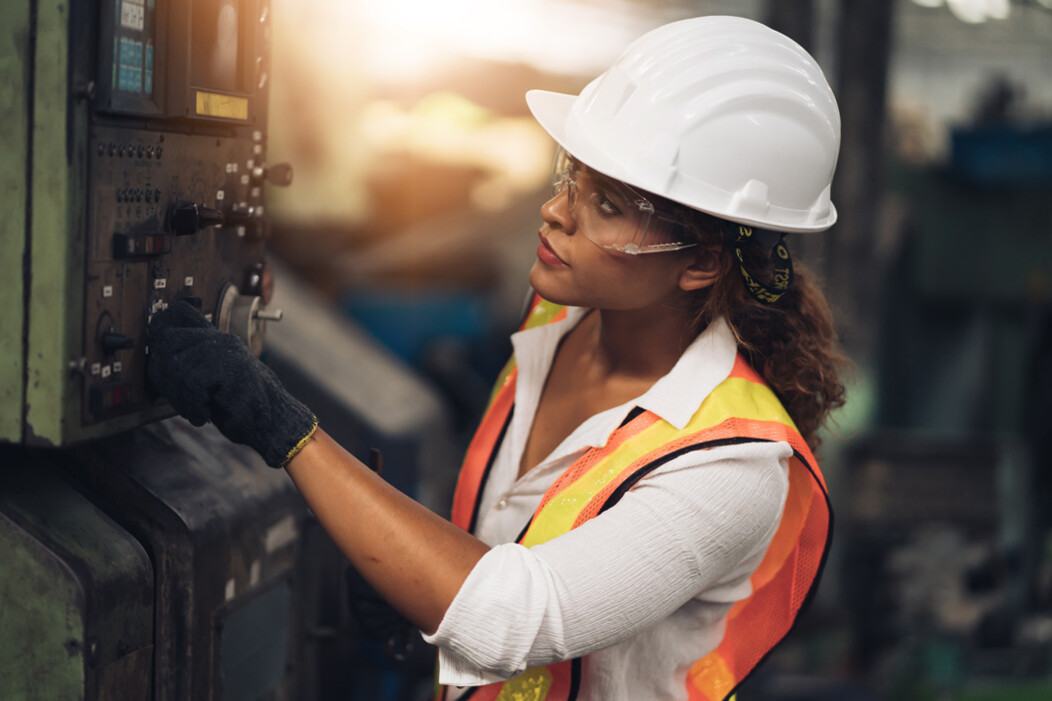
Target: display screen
column 133, row 47
column 216, row 45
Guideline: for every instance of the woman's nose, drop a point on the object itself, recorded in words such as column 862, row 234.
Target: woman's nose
column 556, row 213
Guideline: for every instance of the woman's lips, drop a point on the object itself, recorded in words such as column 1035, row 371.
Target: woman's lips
column 547, row 255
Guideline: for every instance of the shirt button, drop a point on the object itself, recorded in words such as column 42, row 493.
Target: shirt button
column 502, row 503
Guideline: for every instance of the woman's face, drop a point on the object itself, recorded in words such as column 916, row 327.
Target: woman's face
column 574, row 267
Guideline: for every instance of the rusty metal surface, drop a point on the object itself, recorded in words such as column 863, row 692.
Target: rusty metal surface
column 220, row 526
column 76, row 591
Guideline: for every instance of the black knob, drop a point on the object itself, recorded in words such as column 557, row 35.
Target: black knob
column 188, row 218
column 113, row 342
column 209, row 217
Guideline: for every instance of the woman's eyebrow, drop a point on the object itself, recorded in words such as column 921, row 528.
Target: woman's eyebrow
column 609, row 186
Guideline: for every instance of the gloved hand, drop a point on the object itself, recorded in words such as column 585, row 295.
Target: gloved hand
column 209, row 375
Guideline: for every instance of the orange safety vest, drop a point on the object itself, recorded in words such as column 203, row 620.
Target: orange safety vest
column 741, row 409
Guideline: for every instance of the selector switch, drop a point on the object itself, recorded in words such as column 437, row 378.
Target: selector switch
column 109, row 338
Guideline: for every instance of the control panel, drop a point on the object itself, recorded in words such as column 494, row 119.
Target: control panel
column 171, row 216
column 133, row 174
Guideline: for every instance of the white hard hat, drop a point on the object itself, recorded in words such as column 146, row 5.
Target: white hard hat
column 722, row 114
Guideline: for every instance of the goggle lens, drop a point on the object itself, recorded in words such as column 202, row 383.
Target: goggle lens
column 608, row 212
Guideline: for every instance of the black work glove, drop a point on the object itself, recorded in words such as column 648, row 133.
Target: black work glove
column 209, row 375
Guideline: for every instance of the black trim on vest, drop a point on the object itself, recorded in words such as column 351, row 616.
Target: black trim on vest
column 575, row 679
column 636, row 411
column 522, row 533
column 489, row 466
column 642, row 472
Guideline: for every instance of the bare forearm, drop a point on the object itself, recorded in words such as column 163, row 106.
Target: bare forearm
column 415, row 559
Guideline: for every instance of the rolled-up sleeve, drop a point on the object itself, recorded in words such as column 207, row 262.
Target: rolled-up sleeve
column 694, row 529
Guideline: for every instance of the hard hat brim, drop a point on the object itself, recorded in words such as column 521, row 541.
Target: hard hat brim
column 550, row 109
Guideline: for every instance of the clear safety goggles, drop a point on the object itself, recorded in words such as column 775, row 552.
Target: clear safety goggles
column 611, row 214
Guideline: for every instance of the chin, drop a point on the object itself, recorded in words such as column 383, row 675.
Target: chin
column 543, row 285
column 560, row 289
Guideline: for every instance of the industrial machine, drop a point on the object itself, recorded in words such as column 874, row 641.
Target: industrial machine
column 134, row 171
column 142, row 558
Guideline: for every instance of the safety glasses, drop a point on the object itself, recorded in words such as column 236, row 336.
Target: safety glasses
column 611, row 214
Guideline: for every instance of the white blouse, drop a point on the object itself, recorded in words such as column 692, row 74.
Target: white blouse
column 640, row 591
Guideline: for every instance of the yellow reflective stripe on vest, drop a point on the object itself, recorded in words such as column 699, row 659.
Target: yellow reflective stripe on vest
column 531, row 685
column 734, row 398
column 502, row 381
column 543, row 312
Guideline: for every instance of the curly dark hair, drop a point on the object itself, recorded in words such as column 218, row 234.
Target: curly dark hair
column 791, row 343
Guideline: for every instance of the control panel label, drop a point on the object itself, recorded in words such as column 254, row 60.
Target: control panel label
column 133, row 14
column 226, row 106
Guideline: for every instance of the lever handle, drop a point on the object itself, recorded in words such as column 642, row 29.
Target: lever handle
column 113, row 342
column 188, row 218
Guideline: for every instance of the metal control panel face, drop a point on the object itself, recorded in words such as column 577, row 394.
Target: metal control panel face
column 171, row 216
column 135, row 173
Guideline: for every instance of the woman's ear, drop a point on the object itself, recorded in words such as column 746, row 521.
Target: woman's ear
column 702, row 271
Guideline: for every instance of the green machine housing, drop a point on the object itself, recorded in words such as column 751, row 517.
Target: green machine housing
column 132, row 172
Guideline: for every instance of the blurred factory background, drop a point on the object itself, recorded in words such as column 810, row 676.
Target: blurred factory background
column 144, row 559
column 419, row 176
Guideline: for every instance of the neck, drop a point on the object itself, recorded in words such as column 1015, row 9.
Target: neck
column 639, row 343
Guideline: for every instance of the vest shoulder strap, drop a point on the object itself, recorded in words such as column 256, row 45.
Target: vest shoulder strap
column 483, row 447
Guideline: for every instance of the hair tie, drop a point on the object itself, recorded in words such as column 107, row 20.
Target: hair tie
column 781, row 263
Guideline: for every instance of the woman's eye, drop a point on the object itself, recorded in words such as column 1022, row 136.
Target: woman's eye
column 605, row 205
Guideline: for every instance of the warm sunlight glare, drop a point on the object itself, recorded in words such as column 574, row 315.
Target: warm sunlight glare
column 557, row 36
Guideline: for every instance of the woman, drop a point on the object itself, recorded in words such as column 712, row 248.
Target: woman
column 639, row 515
